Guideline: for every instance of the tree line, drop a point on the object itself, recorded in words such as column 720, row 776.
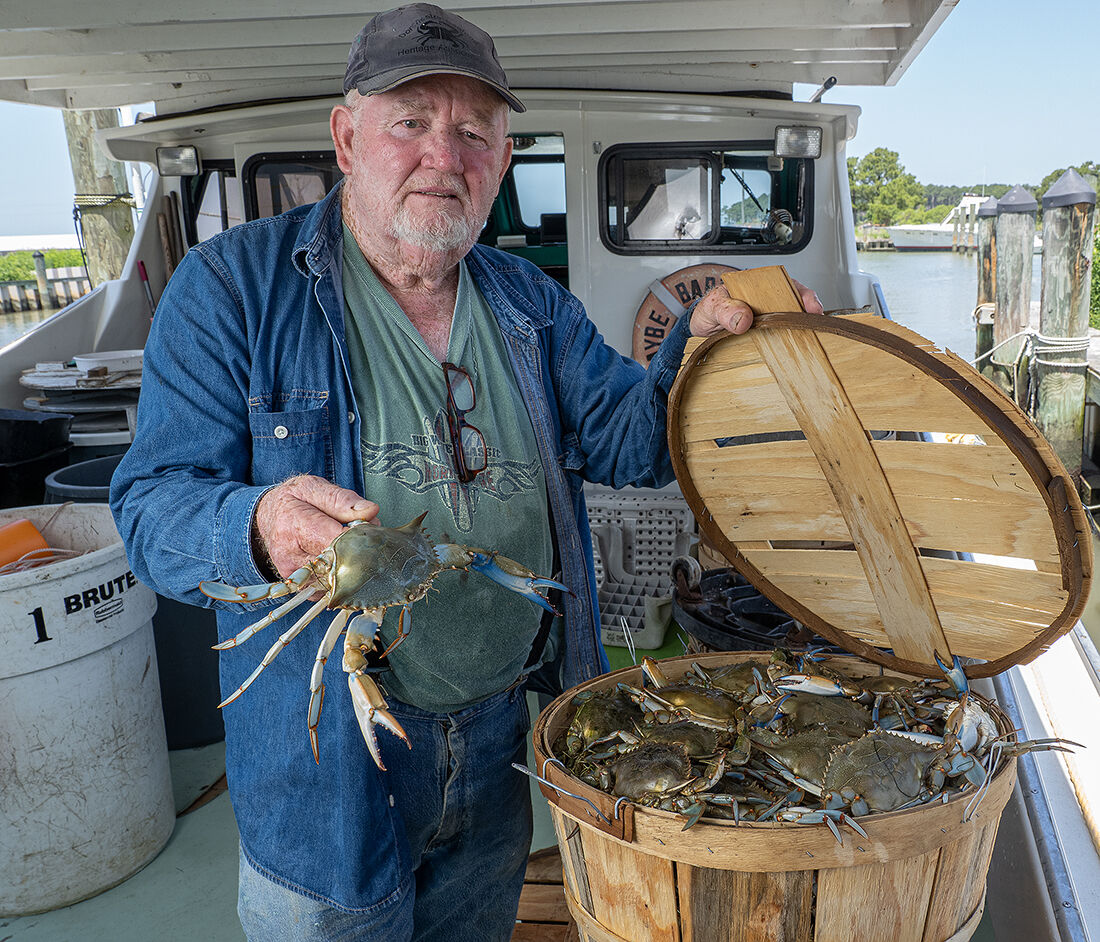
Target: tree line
column 19, row 266
column 885, row 194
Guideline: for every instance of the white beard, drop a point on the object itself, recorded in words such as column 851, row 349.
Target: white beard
column 443, row 233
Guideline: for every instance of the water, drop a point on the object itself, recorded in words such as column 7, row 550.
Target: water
column 934, row 293
column 14, row 325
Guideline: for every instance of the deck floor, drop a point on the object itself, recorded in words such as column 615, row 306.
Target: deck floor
column 543, row 915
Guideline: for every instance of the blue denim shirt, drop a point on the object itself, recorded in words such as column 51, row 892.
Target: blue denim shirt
column 248, row 337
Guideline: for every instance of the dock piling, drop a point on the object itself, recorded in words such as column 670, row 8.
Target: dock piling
column 45, row 289
column 1061, row 350
column 985, row 306
column 1015, row 234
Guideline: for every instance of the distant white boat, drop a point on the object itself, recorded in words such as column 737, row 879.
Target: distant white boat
column 935, row 236
column 38, row 243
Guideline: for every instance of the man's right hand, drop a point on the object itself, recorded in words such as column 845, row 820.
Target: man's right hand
column 297, row 519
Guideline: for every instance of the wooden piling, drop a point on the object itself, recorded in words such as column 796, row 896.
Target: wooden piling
column 101, row 193
column 986, row 239
column 45, row 289
column 1015, row 233
column 1062, row 352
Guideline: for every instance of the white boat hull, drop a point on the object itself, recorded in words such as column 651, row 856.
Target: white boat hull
column 928, row 238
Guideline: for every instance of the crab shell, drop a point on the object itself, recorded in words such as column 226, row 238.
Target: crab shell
column 598, row 717
column 370, row 567
column 652, row 770
column 880, row 771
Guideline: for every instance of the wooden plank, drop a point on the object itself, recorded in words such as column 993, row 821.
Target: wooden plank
column 861, row 490
column 979, row 870
column 633, row 893
column 987, row 611
column 875, row 901
column 960, row 883
column 542, row 902
column 969, row 498
column 951, row 497
column 544, row 866
column 717, row 405
column 536, row 932
column 888, row 393
column 764, row 289
column 732, row 906
column 574, row 868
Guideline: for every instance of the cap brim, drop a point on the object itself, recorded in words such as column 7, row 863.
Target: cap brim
column 387, row 81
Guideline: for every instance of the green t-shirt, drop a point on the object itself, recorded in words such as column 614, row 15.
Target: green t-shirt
column 470, row 637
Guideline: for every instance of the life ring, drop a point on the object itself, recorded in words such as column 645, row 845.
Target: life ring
column 666, row 301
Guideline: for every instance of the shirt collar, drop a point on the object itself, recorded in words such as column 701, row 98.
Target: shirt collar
column 320, row 238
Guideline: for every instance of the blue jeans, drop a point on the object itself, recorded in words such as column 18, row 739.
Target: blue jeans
column 467, row 816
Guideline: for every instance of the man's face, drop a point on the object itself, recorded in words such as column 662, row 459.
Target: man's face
column 424, row 161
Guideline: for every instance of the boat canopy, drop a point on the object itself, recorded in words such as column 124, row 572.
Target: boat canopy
column 204, row 53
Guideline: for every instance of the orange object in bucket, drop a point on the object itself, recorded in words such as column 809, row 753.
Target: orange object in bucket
column 20, row 538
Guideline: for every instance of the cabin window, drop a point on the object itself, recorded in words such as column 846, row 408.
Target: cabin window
column 528, row 216
column 211, row 201
column 221, row 205
column 274, row 183
column 710, row 198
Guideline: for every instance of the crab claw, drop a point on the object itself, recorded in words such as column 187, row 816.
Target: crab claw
column 692, row 811
column 510, row 574
column 370, row 706
column 815, row 684
column 955, row 673
column 370, row 711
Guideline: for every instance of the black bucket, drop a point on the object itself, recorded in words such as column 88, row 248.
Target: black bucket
column 21, row 481
column 86, row 482
column 25, row 434
column 723, row 611
column 184, row 634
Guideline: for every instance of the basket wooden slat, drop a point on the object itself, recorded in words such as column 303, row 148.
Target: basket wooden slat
column 942, row 505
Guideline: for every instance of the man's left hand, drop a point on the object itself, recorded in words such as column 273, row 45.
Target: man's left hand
column 718, row 312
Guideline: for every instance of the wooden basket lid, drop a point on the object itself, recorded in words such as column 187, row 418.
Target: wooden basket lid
column 793, row 446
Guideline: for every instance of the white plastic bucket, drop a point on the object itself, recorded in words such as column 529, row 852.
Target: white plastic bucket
column 85, row 790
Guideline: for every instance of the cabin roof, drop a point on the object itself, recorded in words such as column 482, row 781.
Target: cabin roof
column 201, row 53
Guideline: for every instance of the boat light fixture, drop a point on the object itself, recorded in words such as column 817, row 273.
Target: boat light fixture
column 797, row 141
column 178, row 161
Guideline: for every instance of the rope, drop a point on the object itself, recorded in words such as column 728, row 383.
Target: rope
column 93, row 201
column 99, row 200
column 1034, row 345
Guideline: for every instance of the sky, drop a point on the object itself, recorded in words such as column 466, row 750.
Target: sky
column 998, row 95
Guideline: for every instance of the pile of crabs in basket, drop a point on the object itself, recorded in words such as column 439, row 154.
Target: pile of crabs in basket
column 794, row 738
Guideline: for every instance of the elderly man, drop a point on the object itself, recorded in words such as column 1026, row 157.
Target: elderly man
column 363, row 359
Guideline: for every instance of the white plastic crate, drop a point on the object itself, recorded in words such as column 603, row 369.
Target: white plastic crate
column 636, row 535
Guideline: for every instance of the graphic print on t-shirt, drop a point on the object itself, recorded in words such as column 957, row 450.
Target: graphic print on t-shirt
column 426, row 465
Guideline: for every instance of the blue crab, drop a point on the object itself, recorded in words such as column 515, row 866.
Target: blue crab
column 364, row 571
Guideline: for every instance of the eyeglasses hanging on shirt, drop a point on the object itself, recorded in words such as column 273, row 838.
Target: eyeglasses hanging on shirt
column 468, row 450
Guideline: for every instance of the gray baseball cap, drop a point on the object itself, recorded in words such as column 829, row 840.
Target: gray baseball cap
column 422, row 39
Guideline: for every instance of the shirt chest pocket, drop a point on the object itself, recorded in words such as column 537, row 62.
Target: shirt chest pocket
column 289, row 443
